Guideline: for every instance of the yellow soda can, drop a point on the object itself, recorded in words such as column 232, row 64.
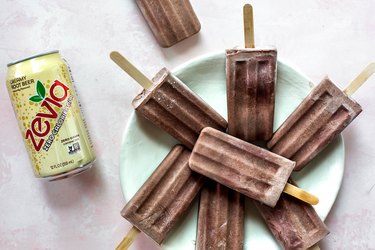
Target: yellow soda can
column 49, row 116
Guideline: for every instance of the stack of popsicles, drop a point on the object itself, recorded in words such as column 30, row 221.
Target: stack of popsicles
column 229, row 166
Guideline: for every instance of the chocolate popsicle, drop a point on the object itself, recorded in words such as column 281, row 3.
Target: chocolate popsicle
column 251, row 78
column 294, row 224
column 171, row 105
column 321, row 116
column 246, row 168
column 164, row 198
column 217, row 201
column 220, row 218
column 170, row 21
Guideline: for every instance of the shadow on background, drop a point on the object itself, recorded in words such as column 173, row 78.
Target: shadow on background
column 181, row 47
column 72, row 190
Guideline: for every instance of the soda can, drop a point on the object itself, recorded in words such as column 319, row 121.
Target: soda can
column 45, row 103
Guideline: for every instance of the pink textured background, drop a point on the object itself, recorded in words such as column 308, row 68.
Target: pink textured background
column 323, row 37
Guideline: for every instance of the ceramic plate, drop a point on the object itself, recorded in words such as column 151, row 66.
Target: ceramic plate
column 144, row 146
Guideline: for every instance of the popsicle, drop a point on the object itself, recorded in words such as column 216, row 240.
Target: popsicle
column 246, row 168
column 171, row 105
column 220, row 218
column 321, row 116
column 295, row 224
column 251, row 78
column 163, row 198
column 170, row 21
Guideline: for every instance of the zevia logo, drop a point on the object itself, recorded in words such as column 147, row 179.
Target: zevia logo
column 37, row 131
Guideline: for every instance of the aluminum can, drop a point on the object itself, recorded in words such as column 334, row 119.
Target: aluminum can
column 49, row 116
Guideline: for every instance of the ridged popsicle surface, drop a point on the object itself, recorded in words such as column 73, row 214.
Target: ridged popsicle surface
column 220, row 218
column 239, row 165
column 170, row 21
column 165, row 196
column 295, row 224
column 172, row 106
column 251, row 79
column 321, row 116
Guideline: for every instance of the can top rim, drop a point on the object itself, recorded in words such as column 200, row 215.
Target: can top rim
column 31, row 57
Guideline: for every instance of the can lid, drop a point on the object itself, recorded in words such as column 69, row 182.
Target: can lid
column 31, row 57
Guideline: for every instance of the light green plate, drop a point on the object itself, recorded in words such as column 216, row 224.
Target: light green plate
column 144, row 146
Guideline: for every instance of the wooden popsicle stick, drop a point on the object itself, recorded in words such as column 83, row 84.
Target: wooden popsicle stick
column 248, row 22
column 128, row 239
column 300, row 194
column 360, row 79
column 315, row 247
column 137, row 75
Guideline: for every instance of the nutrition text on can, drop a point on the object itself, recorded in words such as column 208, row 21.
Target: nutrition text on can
column 49, row 116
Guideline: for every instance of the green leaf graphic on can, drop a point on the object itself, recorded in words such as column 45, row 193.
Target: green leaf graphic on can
column 41, row 90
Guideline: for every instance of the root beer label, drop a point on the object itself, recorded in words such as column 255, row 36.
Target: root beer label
column 49, row 116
